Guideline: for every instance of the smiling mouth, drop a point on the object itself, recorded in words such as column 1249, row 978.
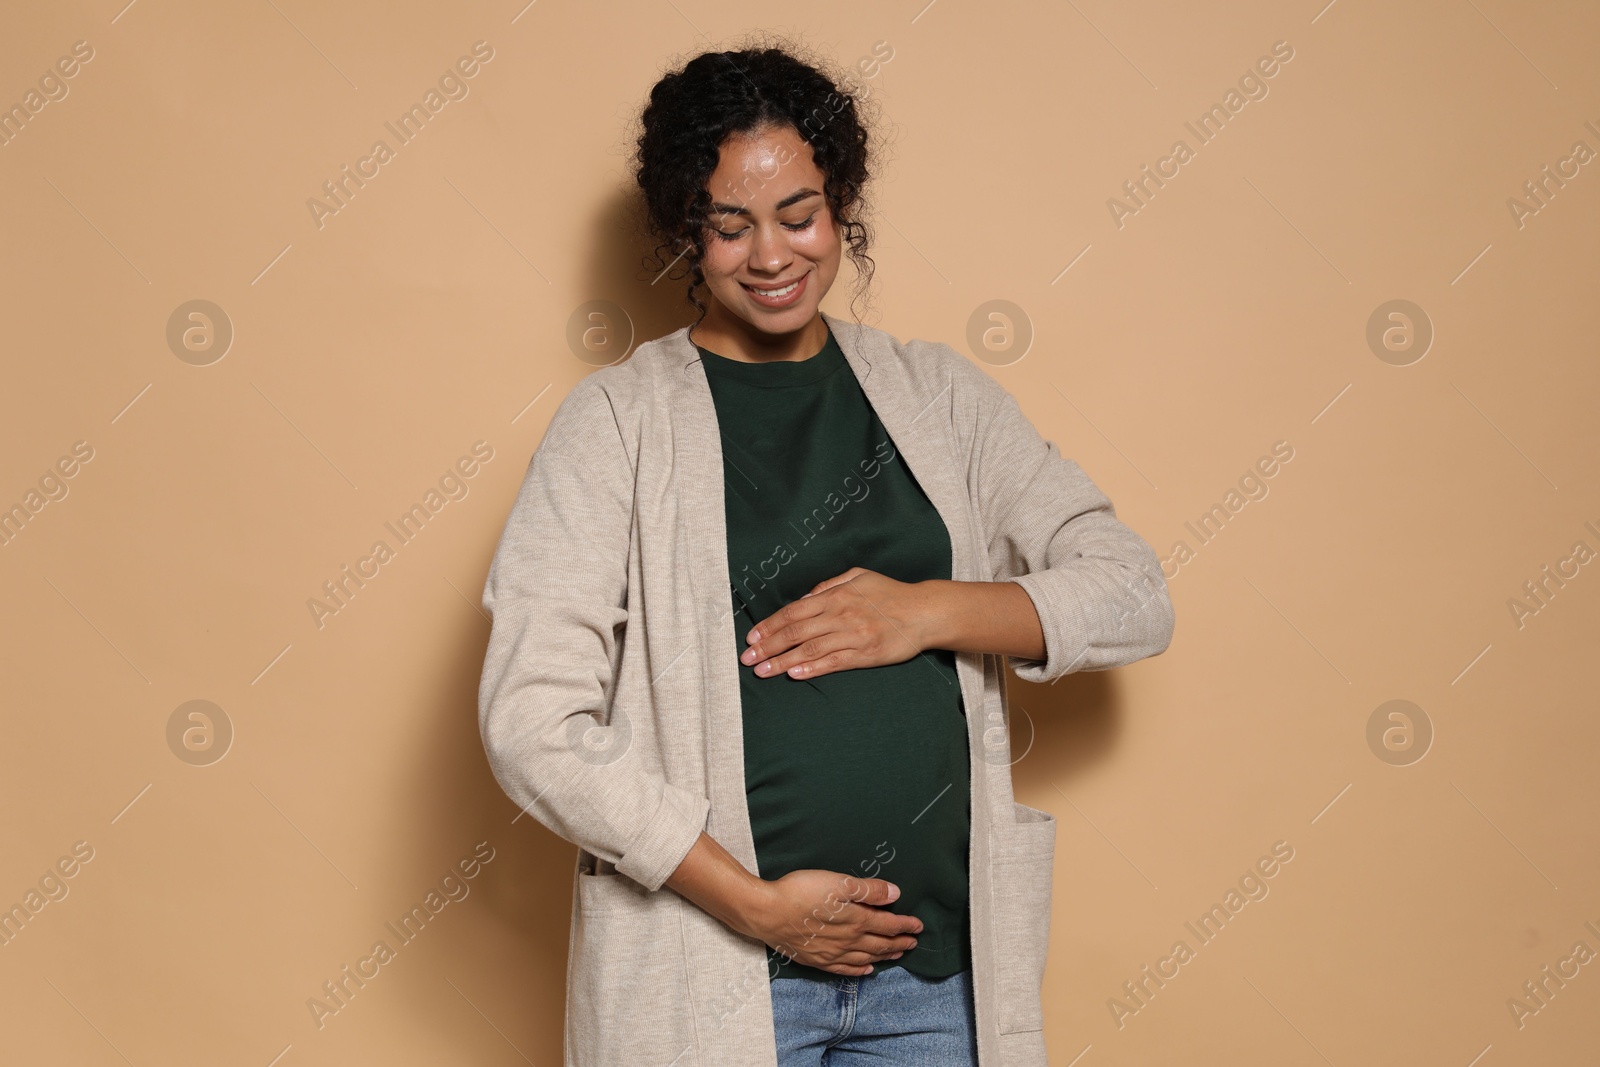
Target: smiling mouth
column 780, row 291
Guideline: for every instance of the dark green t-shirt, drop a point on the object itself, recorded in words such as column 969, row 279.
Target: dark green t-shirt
column 860, row 771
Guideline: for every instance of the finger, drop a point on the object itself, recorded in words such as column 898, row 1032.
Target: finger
column 853, row 958
column 796, row 666
column 782, row 640
column 872, row 892
column 812, row 659
column 866, row 959
column 837, row 579
column 892, row 924
column 785, row 615
column 772, row 622
column 849, row 972
column 774, row 639
column 881, row 947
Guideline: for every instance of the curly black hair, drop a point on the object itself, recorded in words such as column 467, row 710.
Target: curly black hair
column 694, row 109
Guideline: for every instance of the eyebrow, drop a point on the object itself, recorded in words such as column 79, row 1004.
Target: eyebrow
column 792, row 198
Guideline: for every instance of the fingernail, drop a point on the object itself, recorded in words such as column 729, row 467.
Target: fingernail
column 894, row 891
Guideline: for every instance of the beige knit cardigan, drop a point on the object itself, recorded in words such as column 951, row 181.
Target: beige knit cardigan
column 610, row 709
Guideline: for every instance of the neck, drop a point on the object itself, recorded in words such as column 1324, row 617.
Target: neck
column 728, row 335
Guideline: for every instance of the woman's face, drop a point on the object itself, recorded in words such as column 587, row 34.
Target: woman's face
column 772, row 249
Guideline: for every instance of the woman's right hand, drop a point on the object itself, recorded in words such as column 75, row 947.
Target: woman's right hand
column 831, row 921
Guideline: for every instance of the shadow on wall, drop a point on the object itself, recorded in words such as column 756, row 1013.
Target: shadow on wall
column 655, row 301
column 1073, row 724
column 516, row 918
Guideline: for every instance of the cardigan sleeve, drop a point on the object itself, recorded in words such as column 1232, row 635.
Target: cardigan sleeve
column 557, row 595
column 1096, row 584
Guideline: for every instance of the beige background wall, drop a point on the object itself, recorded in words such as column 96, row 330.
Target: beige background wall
column 212, row 498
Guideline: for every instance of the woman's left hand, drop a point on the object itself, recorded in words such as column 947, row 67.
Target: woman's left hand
column 857, row 619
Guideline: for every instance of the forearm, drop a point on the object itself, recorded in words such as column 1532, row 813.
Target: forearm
column 710, row 878
column 994, row 617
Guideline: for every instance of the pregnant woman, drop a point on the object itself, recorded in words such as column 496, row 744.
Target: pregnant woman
column 750, row 614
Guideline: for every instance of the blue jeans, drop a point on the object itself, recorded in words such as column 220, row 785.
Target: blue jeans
column 890, row 1016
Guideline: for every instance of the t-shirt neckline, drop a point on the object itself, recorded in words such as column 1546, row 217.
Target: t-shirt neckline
column 776, row 374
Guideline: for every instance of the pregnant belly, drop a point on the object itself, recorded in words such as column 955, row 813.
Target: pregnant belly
column 862, row 772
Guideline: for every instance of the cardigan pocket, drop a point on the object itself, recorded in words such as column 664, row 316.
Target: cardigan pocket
column 628, row 990
column 1023, row 866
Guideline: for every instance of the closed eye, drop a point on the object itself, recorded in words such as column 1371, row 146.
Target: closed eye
column 794, row 227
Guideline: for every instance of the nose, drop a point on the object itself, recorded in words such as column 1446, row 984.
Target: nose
column 770, row 252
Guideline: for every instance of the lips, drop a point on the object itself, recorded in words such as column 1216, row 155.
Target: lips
column 783, row 300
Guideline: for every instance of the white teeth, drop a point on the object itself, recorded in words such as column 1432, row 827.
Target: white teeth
column 775, row 292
